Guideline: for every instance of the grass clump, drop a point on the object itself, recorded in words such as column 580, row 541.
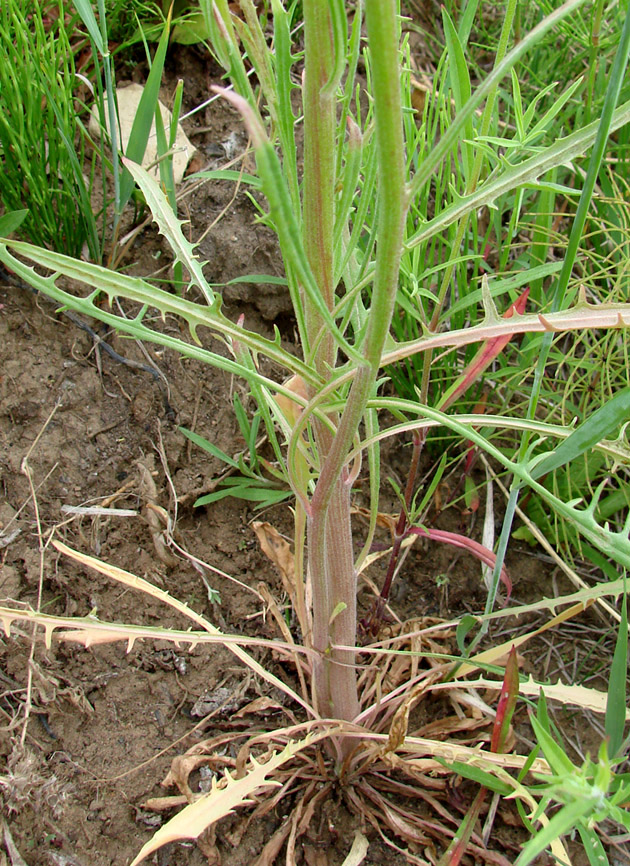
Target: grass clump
column 42, row 153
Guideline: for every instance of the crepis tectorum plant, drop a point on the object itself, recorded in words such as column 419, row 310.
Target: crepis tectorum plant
column 344, row 292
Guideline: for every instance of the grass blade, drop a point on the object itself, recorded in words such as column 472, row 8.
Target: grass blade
column 617, row 687
column 143, row 121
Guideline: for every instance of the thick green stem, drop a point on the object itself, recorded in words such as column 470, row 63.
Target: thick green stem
column 319, row 171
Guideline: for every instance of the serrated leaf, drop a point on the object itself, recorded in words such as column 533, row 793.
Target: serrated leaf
column 226, row 796
column 170, row 226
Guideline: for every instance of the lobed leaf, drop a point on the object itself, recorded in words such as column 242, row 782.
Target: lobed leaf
column 226, row 795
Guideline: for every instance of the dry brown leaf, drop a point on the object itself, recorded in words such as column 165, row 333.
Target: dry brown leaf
column 441, row 728
column 14, row 854
column 208, row 846
column 278, row 551
column 314, row 856
column 183, row 765
column 403, row 828
column 259, row 705
column 267, row 856
column 387, row 521
column 400, row 722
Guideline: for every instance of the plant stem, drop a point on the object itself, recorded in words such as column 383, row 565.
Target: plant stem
column 319, row 173
column 331, row 557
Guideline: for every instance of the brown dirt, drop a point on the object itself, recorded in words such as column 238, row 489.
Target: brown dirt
column 76, row 428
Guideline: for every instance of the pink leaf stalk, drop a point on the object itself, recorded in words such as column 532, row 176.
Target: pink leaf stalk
column 478, row 550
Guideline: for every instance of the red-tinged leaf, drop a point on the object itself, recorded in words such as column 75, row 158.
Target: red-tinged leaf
column 462, row 541
column 471, row 494
column 507, row 702
column 488, row 351
column 456, row 850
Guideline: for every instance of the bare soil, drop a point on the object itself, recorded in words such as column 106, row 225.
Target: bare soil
column 88, row 734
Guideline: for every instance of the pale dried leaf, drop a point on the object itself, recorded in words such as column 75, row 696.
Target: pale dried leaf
column 359, row 850
column 222, row 800
column 581, row 696
column 292, row 409
column 14, row 854
column 131, row 633
column 450, row 752
column 387, row 521
column 498, row 652
column 127, row 101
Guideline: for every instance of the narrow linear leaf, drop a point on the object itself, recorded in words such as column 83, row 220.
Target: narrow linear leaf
column 617, row 687
column 145, row 114
column 212, row 449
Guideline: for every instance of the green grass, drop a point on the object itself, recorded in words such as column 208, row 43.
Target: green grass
column 522, row 240
column 42, row 154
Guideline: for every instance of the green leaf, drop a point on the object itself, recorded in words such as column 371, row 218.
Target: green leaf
column 209, row 447
column 476, row 774
column 561, row 823
column 227, row 174
column 143, row 121
column 264, row 495
column 460, row 84
column 595, row 851
column 85, row 10
column 554, row 753
column 617, row 685
column 191, row 30
column 170, row 227
column 11, row 221
column 263, row 279
column 466, row 623
column 603, row 422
